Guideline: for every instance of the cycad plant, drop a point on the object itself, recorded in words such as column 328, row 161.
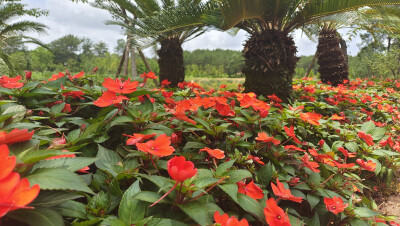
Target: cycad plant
column 167, row 24
column 12, row 31
column 270, row 52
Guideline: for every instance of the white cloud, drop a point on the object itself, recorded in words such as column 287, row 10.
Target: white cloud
column 66, row 17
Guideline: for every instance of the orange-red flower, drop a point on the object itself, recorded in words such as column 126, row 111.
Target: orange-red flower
column 290, row 133
column 150, row 75
column 216, row 153
column 11, row 83
column 79, row 75
column 337, row 117
column 370, row 165
column 289, row 147
column 335, row 204
column 346, row 153
column 74, row 94
column 366, row 137
column 274, row 98
column 274, row 215
column 15, row 193
column 181, row 115
column 283, row 193
column 250, row 190
column 137, row 138
column 118, row 86
column 312, row 118
column 108, row 98
column 225, row 220
column 311, row 165
column 57, row 76
column 256, row 159
column 179, row 169
column 15, row 136
column 263, row 137
column 165, row 83
column 159, row 147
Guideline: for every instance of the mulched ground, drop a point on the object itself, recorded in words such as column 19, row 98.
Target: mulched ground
column 390, row 205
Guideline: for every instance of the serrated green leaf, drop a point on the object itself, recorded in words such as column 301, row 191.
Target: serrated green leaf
column 164, row 222
column 132, row 210
column 224, row 167
column 38, row 217
column 205, row 182
column 313, row 200
column 238, row 175
column 252, row 206
column 368, row 127
column 196, row 210
column 194, row 145
column 72, row 164
column 231, row 190
column 365, row 212
column 107, row 159
column 72, row 209
column 53, row 198
column 58, row 179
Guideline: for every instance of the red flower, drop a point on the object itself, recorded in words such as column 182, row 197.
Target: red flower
column 274, row 98
column 74, row 94
column 370, row 165
column 15, row 136
column 366, row 137
column 57, row 76
column 108, row 98
column 137, row 138
column 335, row 204
column 79, row 75
column 150, row 75
column 311, row 165
column 179, row 169
column 165, row 83
column 250, row 190
column 274, row 215
column 288, row 147
column 263, row 137
column 11, row 83
column 181, row 115
column 14, row 193
column 346, row 153
column 312, row 118
column 159, row 147
column 118, row 86
column 216, row 153
column 224, row 220
column 256, row 159
column 224, row 109
column 283, row 193
column 337, row 117
column 28, row 75
column 290, row 133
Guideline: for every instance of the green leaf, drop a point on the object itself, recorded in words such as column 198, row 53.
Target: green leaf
column 72, row 164
column 205, row 182
column 265, row 174
column 368, row 127
column 53, row 198
column 224, row 167
column 351, row 146
column 194, row 145
column 382, row 152
column 17, row 110
column 38, row 217
column 58, row 179
column 6, row 91
column 164, row 222
column 314, row 220
column 365, row 212
column 38, row 92
column 149, row 196
column 252, row 206
column 313, row 200
column 378, row 133
column 72, row 209
column 231, row 190
column 132, row 210
column 56, row 109
column 36, row 156
column 196, row 210
column 107, row 159
column 112, row 222
column 238, row 175
column 87, row 223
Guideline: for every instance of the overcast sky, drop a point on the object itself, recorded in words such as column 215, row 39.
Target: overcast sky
column 83, row 20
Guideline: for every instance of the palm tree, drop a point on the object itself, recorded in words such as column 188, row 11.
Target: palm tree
column 270, row 52
column 12, row 32
column 167, row 23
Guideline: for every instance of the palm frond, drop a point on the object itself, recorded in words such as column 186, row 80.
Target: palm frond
column 23, row 26
column 6, row 60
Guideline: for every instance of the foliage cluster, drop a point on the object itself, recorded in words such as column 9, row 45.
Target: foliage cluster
column 328, row 150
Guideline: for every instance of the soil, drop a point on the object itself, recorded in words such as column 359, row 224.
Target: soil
column 390, row 205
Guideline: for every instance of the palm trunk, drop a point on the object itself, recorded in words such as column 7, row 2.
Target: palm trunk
column 343, row 46
column 170, row 61
column 332, row 63
column 127, row 48
column 270, row 60
column 121, row 63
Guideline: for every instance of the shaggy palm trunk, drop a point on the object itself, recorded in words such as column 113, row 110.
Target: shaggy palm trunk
column 270, row 60
column 170, row 61
column 332, row 62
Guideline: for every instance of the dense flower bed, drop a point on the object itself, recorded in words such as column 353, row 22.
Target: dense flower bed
column 118, row 153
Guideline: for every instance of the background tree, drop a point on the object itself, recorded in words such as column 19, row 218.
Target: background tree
column 270, row 52
column 12, row 30
column 66, row 49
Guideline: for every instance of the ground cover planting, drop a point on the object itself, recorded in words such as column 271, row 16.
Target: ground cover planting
column 74, row 151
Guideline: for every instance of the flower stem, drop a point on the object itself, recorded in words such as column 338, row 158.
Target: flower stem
column 173, row 187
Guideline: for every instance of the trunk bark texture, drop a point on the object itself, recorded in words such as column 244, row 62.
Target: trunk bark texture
column 170, row 61
column 270, row 60
column 332, row 62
